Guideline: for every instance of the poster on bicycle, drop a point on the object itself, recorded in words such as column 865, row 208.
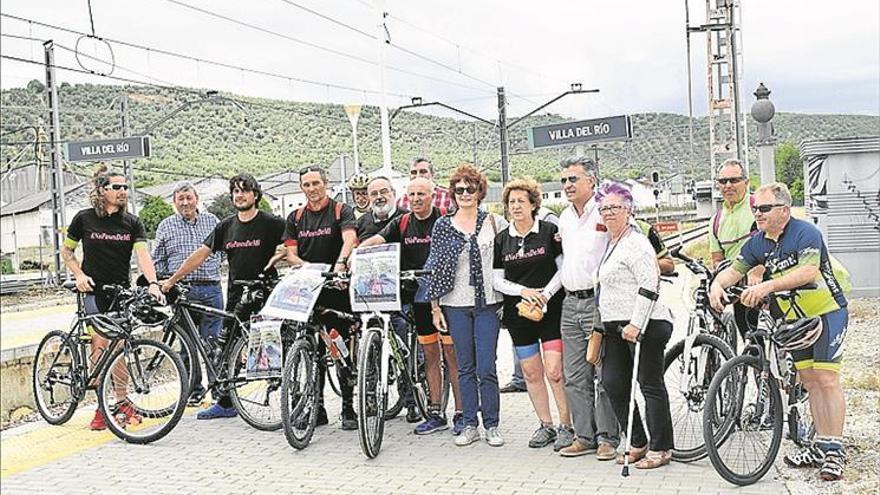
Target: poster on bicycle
column 265, row 358
column 294, row 296
column 375, row 278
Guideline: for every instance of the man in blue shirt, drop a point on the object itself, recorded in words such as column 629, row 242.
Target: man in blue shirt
column 794, row 254
column 177, row 237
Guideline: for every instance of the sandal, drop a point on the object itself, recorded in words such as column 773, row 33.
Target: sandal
column 654, row 460
column 635, row 455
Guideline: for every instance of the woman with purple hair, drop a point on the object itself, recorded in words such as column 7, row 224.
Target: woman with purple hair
column 628, row 268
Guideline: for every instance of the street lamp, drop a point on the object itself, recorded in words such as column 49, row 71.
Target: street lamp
column 353, row 112
column 763, row 111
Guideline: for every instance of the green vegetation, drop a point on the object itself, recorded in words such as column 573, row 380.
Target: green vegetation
column 155, row 210
column 222, row 206
column 216, row 137
column 790, row 170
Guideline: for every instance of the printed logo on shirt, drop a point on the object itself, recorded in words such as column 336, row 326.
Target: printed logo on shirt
column 521, row 255
column 103, row 236
column 417, row 240
column 242, row 244
column 315, row 233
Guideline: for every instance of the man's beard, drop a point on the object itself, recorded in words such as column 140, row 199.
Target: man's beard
column 244, row 207
column 382, row 211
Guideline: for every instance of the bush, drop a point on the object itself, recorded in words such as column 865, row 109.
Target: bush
column 154, row 211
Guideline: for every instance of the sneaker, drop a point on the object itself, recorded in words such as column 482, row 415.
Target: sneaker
column 349, row 420
column 832, row 466
column 577, row 449
column 512, row 387
column 98, row 422
column 806, row 457
column 322, row 417
column 606, row 452
column 413, row 415
column 217, row 411
column 433, row 424
column 457, row 423
column 564, row 437
column 469, row 435
column 127, row 415
column 493, row 437
column 542, row 437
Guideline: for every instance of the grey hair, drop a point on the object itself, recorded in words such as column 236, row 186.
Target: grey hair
column 732, row 162
column 587, row 164
column 381, row 177
column 780, row 192
column 184, row 186
column 419, row 159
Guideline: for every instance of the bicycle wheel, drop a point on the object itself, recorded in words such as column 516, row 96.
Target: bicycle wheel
column 258, row 401
column 55, row 378
column 397, row 385
column 141, row 392
column 332, row 373
column 687, row 381
column 371, row 402
column 180, row 343
column 743, row 445
column 419, row 374
column 299, row 395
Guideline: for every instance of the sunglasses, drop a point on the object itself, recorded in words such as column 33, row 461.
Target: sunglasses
column 469, row 189
column 571, row 178
column 610, row 209
column 765, row 208
column 729, row 180
column 117, row 187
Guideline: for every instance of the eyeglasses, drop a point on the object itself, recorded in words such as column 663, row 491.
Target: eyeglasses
column 729, row 180
column 570, row 178
column 765, row 208
column 117, row 187
column 469, row 189
column 610, row 209
column 419, row 171
column 381, row 192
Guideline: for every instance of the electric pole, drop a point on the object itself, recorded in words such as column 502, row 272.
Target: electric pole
column 57, row 181
column 502, row 128
column 126, row 164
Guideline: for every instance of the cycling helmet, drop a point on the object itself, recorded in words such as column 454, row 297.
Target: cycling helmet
column 799, row 334
column 358, row 181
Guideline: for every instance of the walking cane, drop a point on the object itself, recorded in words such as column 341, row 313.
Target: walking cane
column 652, row 297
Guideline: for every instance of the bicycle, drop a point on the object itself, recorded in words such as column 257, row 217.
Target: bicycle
column 383, row 358
column 744, row 406
column 140, row 383
column 691, row 363
column 225, row 359
column 307, row 364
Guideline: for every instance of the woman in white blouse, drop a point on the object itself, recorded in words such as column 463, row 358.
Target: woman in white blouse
column 629, row 263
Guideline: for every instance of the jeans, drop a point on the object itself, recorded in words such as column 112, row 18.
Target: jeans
column 591, row 413
column 617, row 375
column 475, row 338
column 209, row 326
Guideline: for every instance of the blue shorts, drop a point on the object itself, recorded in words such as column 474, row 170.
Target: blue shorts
column 827, row 352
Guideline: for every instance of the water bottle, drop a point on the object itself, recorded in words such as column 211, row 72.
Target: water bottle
column 338, row 343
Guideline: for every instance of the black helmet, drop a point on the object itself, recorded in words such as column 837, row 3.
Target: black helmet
column 799, row 334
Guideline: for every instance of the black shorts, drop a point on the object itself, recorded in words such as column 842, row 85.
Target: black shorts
column 529, row 334
column 423, row 319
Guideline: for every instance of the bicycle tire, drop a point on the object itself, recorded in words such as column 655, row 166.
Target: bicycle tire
column 688, row 428
column 299, row 395
column 397, row 386
column 332, row 373
column 62, row 361
column 371, row 404
column 732, row 382
column 261, row 407
column 145, row 362
column 180, row 342
column 421, row 390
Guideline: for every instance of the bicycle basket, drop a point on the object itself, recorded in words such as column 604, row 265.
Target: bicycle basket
column 798, row 334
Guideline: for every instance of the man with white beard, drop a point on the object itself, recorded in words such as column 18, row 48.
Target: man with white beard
column 383, row 208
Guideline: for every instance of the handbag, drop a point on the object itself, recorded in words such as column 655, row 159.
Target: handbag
column 530, row 311
column 594, row 348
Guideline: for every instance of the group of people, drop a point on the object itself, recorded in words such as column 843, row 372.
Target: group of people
column 567, row 289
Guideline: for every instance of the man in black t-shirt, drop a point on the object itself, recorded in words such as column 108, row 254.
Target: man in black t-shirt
column 249, row 239
column 109, row 235
column 323, row 231
column 383, row 208
column 413, row 231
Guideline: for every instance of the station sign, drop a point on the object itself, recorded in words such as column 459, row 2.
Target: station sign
column 108, row 149
column 617, row 128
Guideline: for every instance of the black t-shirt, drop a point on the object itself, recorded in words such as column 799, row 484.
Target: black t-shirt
column 107, row 244
column 415, row 240
column 248, row 245
column 530, row 262
column 318, row 234
column 367, row 226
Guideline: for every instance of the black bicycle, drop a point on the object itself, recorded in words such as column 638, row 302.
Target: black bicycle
column 141, row 383
column 743, row 416
column 256, row 398
column 691, row 363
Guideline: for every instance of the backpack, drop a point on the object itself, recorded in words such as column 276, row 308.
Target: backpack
column 716, row 223
column 404, row 220
column 302, row 209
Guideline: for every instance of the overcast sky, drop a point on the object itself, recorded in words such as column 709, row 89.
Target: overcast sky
column 816, row 56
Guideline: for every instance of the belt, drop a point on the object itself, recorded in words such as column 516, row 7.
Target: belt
column 204, row 282
column 581, row 294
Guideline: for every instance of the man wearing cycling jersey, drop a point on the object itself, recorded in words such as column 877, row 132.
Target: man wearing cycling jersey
column 323, row 231
column 109, row 234
column 249, row 239
column 794, row 254
column 413, row 232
